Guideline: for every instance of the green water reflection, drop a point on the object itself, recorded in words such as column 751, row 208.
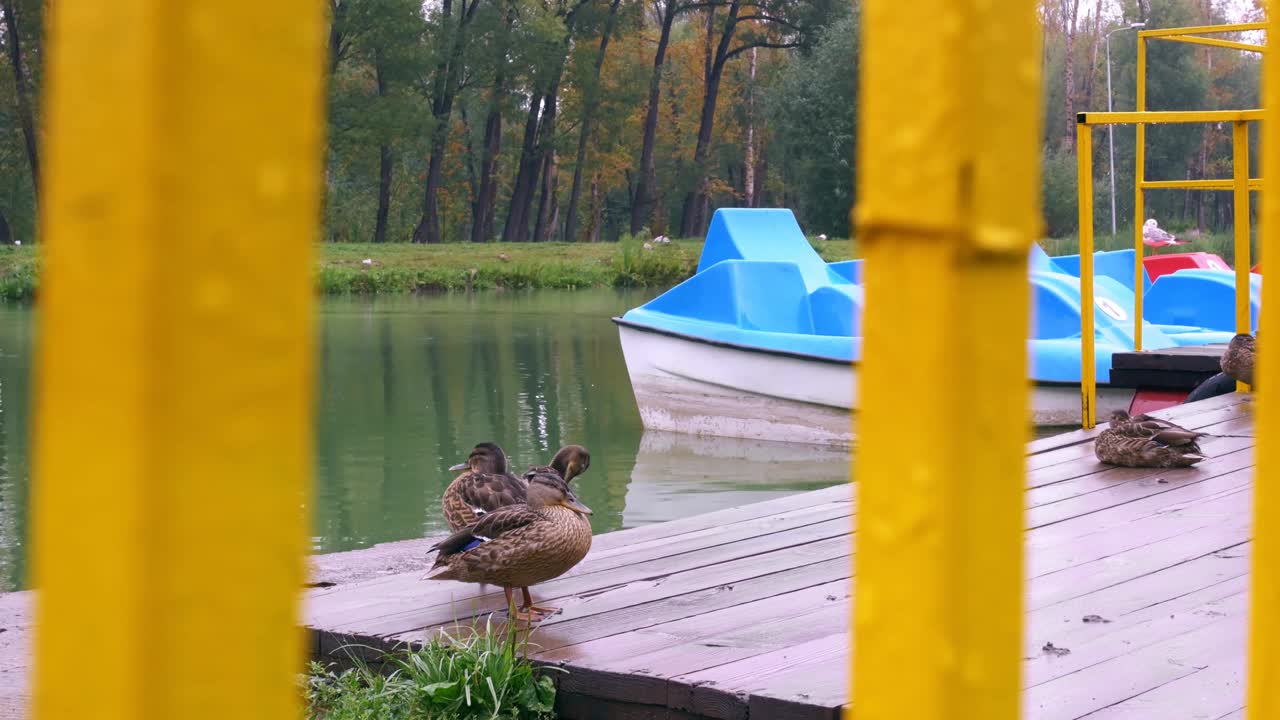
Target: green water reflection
column 406, row 385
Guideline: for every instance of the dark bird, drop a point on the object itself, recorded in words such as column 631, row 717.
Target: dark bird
column 1237, row 361
column 520, row 545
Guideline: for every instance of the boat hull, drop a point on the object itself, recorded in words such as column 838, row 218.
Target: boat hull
column 689, row 385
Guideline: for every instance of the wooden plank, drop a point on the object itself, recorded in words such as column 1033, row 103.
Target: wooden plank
column 1214, row 692
column 1133, row 674
column 1090, row 577
column 1126, row 633
column 1160, row 379
column 724, row 692
column 719, row 564
column 705, row 546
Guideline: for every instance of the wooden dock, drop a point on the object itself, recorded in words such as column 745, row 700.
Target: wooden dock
column 1135, row 604
column 1176, row 368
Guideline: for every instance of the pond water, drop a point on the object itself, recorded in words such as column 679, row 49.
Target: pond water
column 407, row 385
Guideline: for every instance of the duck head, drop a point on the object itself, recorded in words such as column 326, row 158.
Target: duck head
column 571, row 461
column 547, row 489
column 485, row 458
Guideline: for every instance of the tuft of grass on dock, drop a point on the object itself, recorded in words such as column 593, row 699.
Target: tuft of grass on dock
column 479, row 675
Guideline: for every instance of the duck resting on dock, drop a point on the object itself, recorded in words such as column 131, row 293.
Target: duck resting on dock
column 1147, row 442
column 520, row 545
column 486, row 484
column 1237, row 361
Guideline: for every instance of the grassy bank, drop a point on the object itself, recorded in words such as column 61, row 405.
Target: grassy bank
column 400, row 268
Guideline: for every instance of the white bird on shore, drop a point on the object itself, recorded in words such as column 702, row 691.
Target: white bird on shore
column 1153, row 236
column 367, row 262
column 662, row 239
column 822, row 238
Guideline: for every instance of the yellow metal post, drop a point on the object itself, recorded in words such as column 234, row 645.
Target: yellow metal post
column 1139, row 212
column 1263, row 701
column 1088, row 363
column 175, row 362
column 947, row 214
column 1240, row 174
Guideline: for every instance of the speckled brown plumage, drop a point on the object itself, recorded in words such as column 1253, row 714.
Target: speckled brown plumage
column 521, row 545
column 485, row 486
column 1237, row 361
column 1145, row 441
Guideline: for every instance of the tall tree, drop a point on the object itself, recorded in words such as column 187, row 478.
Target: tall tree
column 591, row 101
column 484, row 208
column 444, row 87
column 1069, row 29
column 765, row 29
column 22, row 66
column 643, row 202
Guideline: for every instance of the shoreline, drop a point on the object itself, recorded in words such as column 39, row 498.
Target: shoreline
column 401, row 268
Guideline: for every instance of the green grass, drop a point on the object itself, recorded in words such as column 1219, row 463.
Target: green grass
column 481, row 675
column 403, row 268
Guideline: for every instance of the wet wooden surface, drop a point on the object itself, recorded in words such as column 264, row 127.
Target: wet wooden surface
column 1175, row 368
column 1135, row 605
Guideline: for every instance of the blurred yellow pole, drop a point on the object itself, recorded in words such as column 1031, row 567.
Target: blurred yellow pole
column 1240, row 188
column 948, row 210
column 175, row 363
column 1263, row 701
column 1139, row 212
column 1088, row 360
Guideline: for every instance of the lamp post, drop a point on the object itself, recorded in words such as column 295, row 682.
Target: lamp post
column 1111, row 132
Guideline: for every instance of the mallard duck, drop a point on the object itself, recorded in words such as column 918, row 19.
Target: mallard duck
column 1147, row 442
column 485, row 486
column 520, row 545
column 571, row 461
column 1237, row 361
column 488, row 484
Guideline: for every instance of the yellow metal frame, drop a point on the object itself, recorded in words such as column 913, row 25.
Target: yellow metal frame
column 1240, row 184
column 173, row 428
column 1263, row 700
column 1143, row 117
column 947, row 214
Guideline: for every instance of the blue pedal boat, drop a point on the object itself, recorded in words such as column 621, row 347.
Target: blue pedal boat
column 763, row 341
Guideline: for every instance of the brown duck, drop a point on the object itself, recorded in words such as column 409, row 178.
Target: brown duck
column 487, row 484
column 1148, row 442
column 1237, row 361
column 520, row 545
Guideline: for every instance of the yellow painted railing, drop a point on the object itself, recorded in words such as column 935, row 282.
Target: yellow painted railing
column 173, row 433
column 1142, row 117
column 1263, row 699
column 948, row 210
column 1240, row 184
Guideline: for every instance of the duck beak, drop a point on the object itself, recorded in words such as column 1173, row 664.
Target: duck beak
column 459, row 467
column 573, row 504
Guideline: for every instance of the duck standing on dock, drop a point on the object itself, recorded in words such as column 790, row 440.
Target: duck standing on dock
column 1147, row 442
column 484, row 486
column 520, row 545
column 487, row 484
column 1237, row 361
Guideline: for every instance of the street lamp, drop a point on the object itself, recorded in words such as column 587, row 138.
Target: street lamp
column 1111, row 135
